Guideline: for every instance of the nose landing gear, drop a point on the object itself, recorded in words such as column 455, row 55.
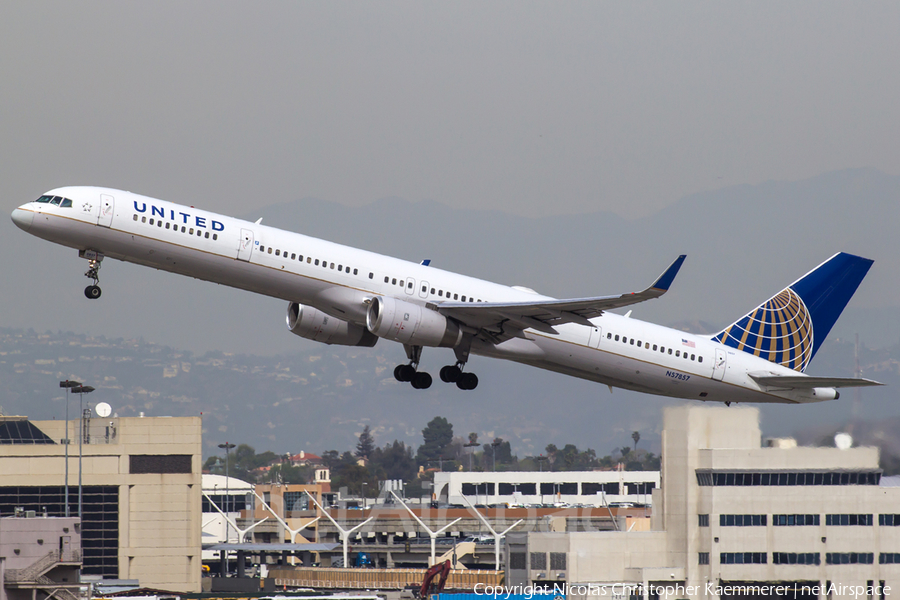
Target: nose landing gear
column 92, row 292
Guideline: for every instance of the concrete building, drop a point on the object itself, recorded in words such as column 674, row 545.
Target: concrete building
column 40, row 557
column 140, row 496
column 522, row 488
column 731, row 512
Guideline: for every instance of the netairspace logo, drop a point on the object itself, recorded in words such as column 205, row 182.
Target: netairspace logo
column 625, row 590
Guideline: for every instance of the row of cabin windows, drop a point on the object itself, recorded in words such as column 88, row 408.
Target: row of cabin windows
column 168, row 225
column 309, row 260
column 661, row 349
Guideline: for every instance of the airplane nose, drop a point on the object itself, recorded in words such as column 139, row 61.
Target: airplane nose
column 22, row 218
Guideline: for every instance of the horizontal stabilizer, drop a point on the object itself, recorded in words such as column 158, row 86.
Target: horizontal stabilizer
column 800, row 382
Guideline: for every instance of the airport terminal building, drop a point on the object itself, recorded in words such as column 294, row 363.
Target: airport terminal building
column 140, row 493
column 732, row 513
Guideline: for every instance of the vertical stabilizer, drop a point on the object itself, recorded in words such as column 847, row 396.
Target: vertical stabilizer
column 789, row 327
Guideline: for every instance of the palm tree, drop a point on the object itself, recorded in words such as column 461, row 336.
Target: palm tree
column 636, row 436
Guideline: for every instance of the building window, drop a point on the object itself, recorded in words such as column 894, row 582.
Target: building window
column 742, row 520
column 557, row 561
column 704, row 556
column 640, row 487
column 849, row 558
column 517, row 561
column 159, row 463
column 796, row 558
column 848, row 519
column 704, row 522
column 755, row 478
column 889, row 520
column 889, row 558
column 742, row 558
column 539, row 561
column 792, row 520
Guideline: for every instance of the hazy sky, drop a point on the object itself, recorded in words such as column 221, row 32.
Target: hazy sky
column 532, row 108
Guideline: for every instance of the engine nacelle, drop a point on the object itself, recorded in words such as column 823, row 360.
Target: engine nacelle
column 313, row 324
column 409, row 323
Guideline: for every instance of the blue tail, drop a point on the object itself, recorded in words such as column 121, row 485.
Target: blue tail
column 789, row 327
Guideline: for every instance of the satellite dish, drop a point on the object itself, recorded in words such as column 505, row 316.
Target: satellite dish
column 843, row 441
column 103, row 409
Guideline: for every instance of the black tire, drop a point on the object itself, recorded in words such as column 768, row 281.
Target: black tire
column 92, row 292
column 450, row 374
column 422, row 380
column 397, row 372
column 467, row 381
column 407, row 372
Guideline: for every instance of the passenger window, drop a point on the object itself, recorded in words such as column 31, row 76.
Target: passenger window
column 662, row 349
column 66, row 203
column 632, row 341
column 207, row 235
column 647, row 345
column 699, row 359
column 135, row 217
column 354, row 271
column 424, row 290
column 371, row 275
column 639, row 343
column 432, row 290
column 143, row 219
column 278, row 253
column 300, row 258
column 270, row 249
column 617, row 337
column 394, row 281
column 167, row 224
column 609, row 336
column 401, row 283
column 151, row 221
column 441, row 293
column 463, row 298
column 332, row 266
column 340, row 267
column 215, row 236
column 409, row 285
column 293, row 255
column 317, row 262
column 471, row 299
column 199, row 233
column 654, row 347
column 183, row 229
column 159, row 223
column 456, row 296
column 262, row 248
column 677, row 353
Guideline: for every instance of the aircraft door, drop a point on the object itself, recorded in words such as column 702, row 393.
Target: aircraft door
column 107, row 207
column 245, row 248
column 423, row 289
column 410, row 286
column 596, row 335
column 719, row 365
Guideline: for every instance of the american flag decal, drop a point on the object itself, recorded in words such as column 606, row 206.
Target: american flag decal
column 687, row 343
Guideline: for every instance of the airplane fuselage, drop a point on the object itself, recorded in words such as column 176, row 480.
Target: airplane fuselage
column 341, row 282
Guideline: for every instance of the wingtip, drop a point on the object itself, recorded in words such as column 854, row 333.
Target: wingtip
column 665, row 280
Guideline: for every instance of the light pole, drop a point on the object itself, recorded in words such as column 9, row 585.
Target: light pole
column 68, row 385
column 228, row 503
column 494, row 445
column 81, row 390
column 365, row 503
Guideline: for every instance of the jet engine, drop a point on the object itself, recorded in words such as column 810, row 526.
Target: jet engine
column 411, row 324
column 313, row 324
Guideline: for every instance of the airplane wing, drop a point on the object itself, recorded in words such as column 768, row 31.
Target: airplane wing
column 497, row 321
column 802, row 382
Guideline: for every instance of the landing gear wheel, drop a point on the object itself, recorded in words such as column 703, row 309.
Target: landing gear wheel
column 92, row 292
column 467, row 381
column 421, row 380
column 450, row 374
column 404, row 373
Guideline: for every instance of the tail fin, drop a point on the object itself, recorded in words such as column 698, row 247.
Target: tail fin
column 789, row 327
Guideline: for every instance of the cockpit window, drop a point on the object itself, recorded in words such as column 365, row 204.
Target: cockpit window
column 55, row 201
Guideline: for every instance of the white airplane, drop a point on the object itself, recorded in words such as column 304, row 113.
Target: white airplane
column 342, row 295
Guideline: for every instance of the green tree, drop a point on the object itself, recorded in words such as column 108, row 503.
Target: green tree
column 437, row 435
column 366, row 444
column 394, row 461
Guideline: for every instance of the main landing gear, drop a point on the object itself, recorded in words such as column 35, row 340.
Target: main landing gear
column 92, row 292
column 421, row 380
